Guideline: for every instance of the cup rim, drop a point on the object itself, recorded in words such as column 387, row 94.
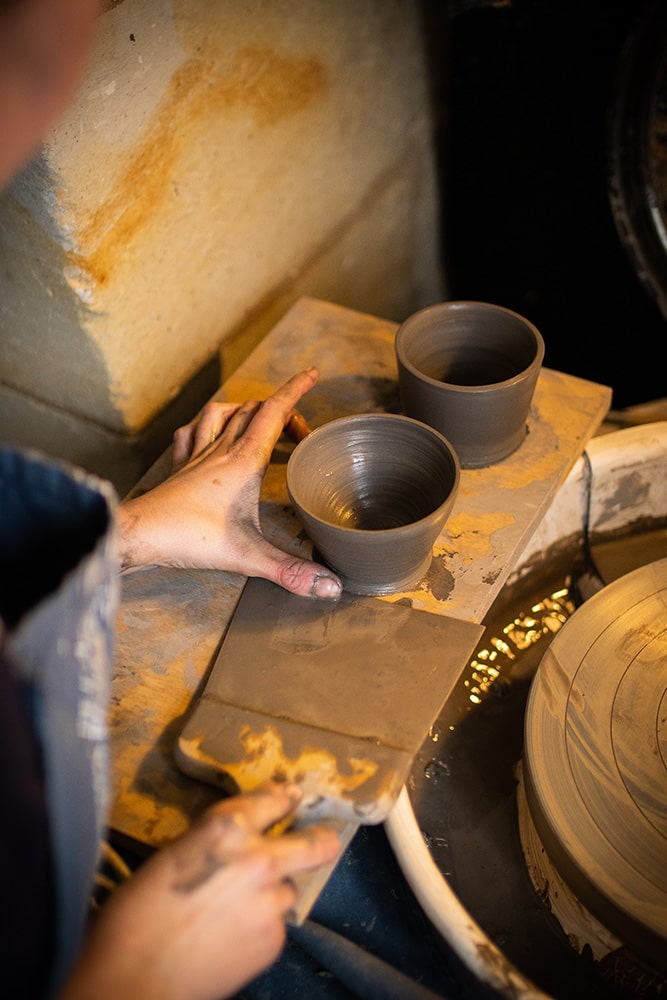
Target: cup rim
column 377, row 417
column 464, row 304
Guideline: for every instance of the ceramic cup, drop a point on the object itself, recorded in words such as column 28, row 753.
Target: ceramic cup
column 373, row 492
column 469, row 369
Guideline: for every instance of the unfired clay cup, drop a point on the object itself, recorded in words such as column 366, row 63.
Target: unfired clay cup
column 373, row 492
column 469, row 369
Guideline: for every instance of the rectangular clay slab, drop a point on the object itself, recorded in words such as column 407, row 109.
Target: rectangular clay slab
column 337, row 696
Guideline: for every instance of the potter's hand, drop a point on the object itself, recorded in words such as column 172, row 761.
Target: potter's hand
column 206, row 514
column 204, row 915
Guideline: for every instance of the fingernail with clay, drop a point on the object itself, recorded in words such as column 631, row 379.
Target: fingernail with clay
column 326, row 586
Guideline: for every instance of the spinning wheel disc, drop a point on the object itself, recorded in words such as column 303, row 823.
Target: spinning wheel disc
column 595, row 757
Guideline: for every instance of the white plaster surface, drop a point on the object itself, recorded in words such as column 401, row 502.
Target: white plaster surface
column 221, row 160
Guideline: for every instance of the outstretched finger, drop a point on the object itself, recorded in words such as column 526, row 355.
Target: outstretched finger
column 275, row 412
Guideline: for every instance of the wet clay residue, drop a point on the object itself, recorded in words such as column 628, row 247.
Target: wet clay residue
column 440, row 580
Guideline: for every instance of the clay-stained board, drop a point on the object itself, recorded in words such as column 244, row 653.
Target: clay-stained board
column 171, row 622
column 497, row 508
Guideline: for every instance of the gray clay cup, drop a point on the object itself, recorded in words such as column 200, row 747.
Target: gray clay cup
column 373, row 492
column 469, row 369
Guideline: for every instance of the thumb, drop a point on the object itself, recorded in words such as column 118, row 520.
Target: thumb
column 299, row 576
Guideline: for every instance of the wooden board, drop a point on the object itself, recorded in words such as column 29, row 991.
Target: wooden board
column 172, row 622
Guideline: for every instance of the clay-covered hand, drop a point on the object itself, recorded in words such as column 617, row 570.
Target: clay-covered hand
column 204, row 915
column 206, row 514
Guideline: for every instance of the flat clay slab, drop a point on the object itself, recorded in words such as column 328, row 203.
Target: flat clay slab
column 335, row 696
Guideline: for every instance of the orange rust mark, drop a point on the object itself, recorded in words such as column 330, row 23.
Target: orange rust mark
column 272, row 85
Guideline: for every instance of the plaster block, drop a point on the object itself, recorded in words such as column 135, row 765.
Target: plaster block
column 220, row 161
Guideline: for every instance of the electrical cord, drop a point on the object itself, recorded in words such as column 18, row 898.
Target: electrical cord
column 364, row 974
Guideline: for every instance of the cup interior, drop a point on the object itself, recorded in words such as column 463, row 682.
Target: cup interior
column 469, row 344
column 371, row 473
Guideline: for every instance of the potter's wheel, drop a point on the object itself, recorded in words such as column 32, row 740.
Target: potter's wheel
column 483, row 880
column 595, row 760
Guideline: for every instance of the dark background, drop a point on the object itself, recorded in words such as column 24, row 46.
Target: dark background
column 528, row 97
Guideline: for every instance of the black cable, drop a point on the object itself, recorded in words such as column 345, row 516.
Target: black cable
column 365, row 975
column 585, row 578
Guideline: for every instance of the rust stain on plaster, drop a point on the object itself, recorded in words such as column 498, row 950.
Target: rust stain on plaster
column 273, row 86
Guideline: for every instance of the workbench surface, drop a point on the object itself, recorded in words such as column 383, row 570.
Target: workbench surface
column 171, row 622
